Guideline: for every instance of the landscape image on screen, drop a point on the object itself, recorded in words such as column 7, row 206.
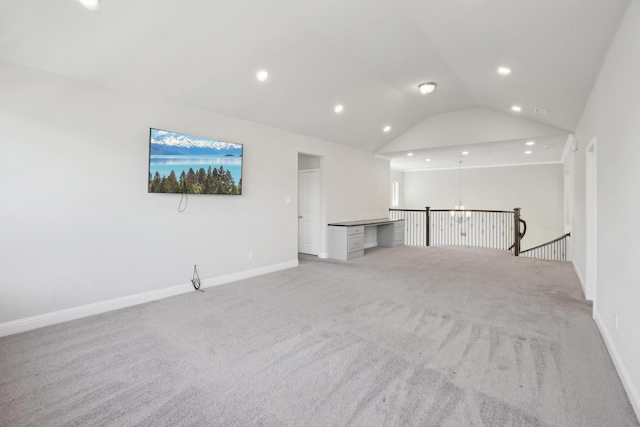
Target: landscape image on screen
column 180, row 163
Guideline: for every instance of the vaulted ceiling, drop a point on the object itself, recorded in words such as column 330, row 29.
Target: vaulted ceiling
column 368, row 56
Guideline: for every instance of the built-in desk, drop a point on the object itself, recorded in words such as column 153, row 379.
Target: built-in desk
column 346, row 239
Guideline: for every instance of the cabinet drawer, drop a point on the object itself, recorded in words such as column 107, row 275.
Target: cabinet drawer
column 355, row 230
column 356, row 243
column 399, row 234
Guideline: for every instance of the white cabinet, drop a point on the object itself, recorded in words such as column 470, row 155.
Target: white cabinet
column 346, row 243
column 346, row 239
column 391, row 234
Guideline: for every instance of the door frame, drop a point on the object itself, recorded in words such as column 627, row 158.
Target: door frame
column 591, row 217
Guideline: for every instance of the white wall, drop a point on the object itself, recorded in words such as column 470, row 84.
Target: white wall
column 465, row 127
column 77, row 225
column 612, row 118
column 536, row 189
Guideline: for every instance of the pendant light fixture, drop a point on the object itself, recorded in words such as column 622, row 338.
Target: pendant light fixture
column 459, row 214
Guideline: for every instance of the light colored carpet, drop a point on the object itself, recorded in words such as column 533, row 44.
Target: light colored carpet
column 402, row 336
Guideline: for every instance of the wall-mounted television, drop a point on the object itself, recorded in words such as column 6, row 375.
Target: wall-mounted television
column 180, row 163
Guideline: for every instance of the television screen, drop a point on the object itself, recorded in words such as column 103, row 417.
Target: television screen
column 180, row 163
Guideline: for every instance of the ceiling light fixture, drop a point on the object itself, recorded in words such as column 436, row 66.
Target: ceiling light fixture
column 427, row 160
column 387, row 129
column 531, row 143
column 505, row 71
column 262, row 75
column 459, row 214
column 528, row 152
column 339, row 108
column 409, row 154
column 90, row 4
column 427, row 87
column 516, row 108
column 464, row 153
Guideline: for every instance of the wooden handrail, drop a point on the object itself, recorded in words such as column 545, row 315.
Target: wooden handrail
column 466, row 210
column 548, row 243
column 521, row 234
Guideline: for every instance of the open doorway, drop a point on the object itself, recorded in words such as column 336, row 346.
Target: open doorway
column 310, row 208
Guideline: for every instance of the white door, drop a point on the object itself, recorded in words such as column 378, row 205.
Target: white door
column 308, row 211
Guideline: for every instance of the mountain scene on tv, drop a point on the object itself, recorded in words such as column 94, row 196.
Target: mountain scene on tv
column 181, row 163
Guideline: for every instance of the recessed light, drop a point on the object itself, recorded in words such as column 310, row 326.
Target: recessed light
column 516, row 108
column 339, row 108
column 262, row 75
column 409, row 154
column 427, row 160
column 528, row 152
column 541, row 110
column 531, row 143
column 387, row 129
column 427, row 87
column 464, row 153
column 90, row 4
column 505, row 71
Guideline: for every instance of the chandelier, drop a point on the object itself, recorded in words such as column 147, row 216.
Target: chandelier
column 459, row 214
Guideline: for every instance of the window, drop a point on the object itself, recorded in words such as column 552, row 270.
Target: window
column 395, row 193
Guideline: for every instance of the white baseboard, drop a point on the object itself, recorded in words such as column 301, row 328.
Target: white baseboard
column 623, row 373
column 370, row 245
column 323, row 255
column 47, row 319
column 221, row 280
column 580, row 279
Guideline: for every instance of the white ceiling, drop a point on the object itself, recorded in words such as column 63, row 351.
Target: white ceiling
column 367, row 55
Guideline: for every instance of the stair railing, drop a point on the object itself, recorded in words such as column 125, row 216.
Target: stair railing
column 479, row 228
column 555, row 250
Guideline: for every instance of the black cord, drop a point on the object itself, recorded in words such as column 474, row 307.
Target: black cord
column 195, row 281
column 184, row 195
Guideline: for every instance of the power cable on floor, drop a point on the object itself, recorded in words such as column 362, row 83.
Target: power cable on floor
column 195, row 281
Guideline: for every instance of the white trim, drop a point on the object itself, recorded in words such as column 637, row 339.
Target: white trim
column 591, row 220
column 221, row 280
column 569, row 146
column 505, row 165
column 323, row 255
column 623, row 373
column 48, row 319
column 370, row 245
column 580, row 279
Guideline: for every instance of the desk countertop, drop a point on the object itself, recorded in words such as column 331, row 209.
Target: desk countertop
column 378, row 221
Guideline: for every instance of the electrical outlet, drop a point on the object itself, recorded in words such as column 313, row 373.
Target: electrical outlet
column 250, row 255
